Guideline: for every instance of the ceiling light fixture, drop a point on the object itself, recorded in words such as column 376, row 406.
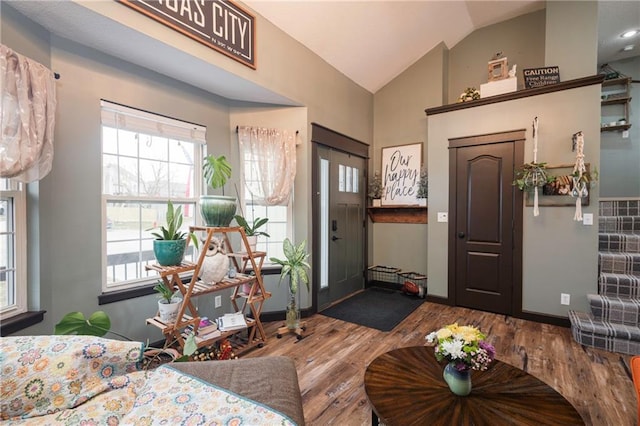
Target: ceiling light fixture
column 628, row 34
column 628, row 47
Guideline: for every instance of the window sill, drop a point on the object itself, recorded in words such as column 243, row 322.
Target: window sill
column 20, row 322
column 132, row 293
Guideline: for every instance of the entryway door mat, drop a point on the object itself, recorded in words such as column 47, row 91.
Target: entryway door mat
column 377, row 308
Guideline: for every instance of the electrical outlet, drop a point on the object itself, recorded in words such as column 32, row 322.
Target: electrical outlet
column 218, row 301
column 443, row 216
column 565, row 299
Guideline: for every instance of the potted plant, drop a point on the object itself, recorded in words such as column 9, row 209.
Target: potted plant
column 170, row 242
column 375, row 189
column 168, row 303
column 532, row 175
column 217, row 210
column 294, row 267
column 423, row 187
column 251, row 231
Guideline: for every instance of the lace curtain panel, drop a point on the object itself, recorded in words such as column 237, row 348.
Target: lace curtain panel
column 28, row 101
column 269, row 163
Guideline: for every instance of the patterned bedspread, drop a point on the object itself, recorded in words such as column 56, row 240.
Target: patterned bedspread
column 80, row 380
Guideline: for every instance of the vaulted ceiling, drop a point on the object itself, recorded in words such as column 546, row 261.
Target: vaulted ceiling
column 370, row 41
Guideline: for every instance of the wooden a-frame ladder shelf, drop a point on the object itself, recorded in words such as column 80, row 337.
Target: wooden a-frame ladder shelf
column 242, row 298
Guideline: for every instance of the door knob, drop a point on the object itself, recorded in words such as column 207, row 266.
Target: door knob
column 461, row 235
column 334, row 238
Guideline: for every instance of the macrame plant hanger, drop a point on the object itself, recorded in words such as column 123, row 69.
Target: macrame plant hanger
column 579, row 183
column 536, row 210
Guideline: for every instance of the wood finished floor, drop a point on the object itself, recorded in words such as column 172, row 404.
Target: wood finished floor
column 332, row 360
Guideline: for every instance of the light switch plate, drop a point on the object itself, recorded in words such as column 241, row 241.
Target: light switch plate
column 443, row 217
column 587, row 219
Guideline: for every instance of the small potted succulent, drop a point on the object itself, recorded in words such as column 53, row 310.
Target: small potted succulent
column 168, row 303
column 217, row 210
column 251, row 231
column 170, row 243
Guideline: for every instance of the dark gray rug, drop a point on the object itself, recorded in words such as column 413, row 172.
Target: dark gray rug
column 381, row 309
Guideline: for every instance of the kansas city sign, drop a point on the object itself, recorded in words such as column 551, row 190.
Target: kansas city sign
column 218, row 24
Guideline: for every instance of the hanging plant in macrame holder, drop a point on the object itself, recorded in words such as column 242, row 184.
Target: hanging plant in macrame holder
column 533, row 175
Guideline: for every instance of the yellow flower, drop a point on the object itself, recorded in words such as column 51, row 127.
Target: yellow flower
column 468, row 333
column 444, row 333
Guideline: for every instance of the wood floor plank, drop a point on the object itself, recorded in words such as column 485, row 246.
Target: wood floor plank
column 331, row 362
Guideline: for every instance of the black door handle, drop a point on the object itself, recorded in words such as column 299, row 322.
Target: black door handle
column 461, row 235
column 334, row 238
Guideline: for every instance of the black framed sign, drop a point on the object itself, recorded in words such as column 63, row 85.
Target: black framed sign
column 218, row 24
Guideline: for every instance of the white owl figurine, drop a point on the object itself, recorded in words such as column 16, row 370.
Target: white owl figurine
column 215, row 264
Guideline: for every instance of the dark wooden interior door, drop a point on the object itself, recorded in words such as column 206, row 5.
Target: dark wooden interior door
column 484, row 225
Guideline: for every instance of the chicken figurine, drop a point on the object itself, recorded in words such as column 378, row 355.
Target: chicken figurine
column 215, row 264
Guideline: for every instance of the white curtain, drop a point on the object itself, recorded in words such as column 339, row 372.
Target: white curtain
column 269, row 163
column 27, row 116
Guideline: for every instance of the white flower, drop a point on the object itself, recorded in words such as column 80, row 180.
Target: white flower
column 431, row 337
column 453, row 348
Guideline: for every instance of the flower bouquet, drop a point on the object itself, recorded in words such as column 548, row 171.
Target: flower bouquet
column 464, row 347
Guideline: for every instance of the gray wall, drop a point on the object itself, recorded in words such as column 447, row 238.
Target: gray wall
column 520, row 39
column 620, row 157
column 559, row 254
column 69, row 203
column 572, row 38
column 527, row 41
column 399, row 119
column 438, row 78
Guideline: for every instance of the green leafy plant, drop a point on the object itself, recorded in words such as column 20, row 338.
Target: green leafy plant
column 164, row 291
column 295, row 265
column 423, row 184
column 375, row 187
column 251, row 230
column 172, row 230
column 532, row 175
column 217, row 171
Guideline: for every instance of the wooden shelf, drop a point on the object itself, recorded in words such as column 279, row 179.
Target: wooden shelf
column 619, row 127
column 398, row 214
column 252, row 301
column 616, row 101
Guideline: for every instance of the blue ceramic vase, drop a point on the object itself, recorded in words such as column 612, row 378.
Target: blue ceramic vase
column 459, row 381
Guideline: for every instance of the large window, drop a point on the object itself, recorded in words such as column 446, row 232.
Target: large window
column 147, row 159
column 13, row 251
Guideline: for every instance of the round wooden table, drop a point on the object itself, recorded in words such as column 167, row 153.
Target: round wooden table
column 405, row 387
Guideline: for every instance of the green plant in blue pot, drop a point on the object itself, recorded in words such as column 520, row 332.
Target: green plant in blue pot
column 170, row 243
column 217, row 210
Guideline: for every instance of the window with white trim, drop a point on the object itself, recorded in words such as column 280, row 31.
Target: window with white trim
column 13, row 255
column 147, row 159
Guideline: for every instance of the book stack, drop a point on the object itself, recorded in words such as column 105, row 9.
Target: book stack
column 207, row 329
column 231, row 322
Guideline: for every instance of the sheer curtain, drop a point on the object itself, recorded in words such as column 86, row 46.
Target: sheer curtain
column 269, row 163
column 27, row 116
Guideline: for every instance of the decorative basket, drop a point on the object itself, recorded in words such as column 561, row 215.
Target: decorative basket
column 418, row 279
column 382, row 274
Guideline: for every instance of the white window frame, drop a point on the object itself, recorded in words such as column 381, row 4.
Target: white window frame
column 246, row 204
column 131, row 119
column 16, row 192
